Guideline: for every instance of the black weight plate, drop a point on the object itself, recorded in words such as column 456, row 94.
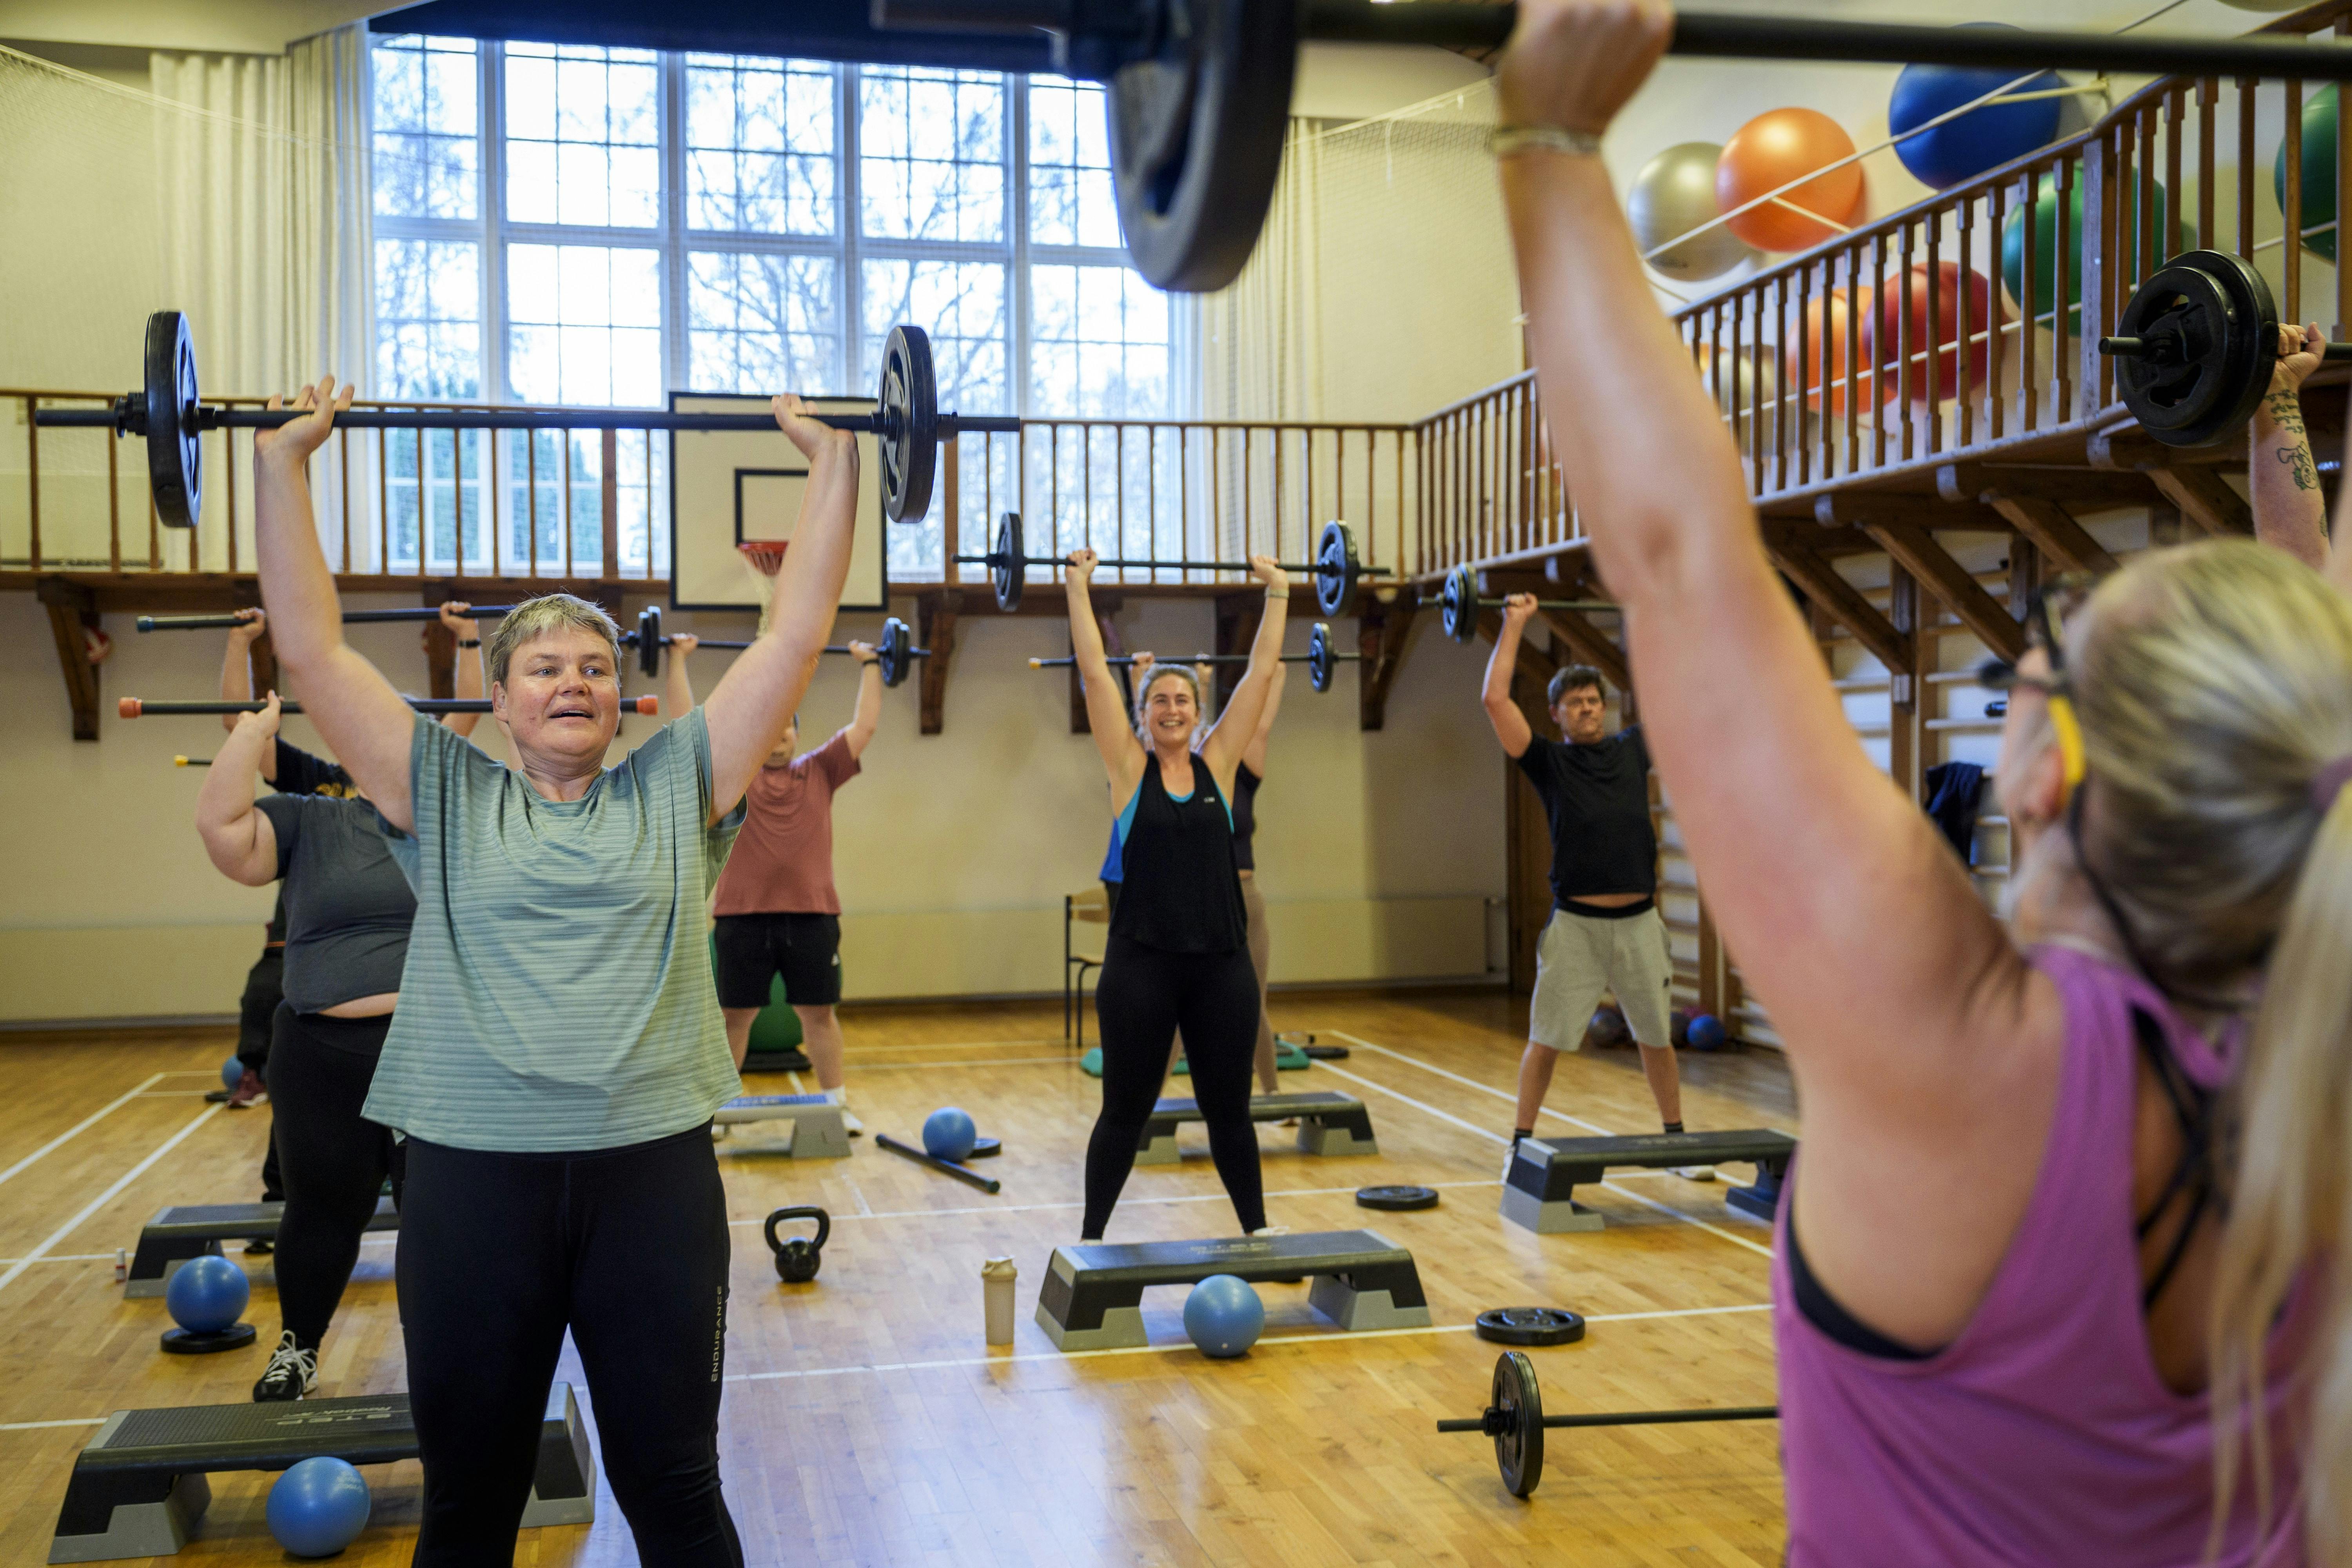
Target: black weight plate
column 1318, row 658
column 649, row 641
column 1396, row 1200
column 1008, row 573
column 1327, row 1053
column 1458, row 604
column 1196, row 136
column 910, row 402
column 2216, row 314
column 1530, row 1326
column 892, row 650
column 1336, row 571
column 1519, row 1436
column 176, row 454
column 982, row 1148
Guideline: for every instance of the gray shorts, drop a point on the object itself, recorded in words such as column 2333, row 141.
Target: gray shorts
column 1580, row 957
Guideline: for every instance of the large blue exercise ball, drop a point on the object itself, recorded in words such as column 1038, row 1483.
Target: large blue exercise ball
column 205, row 1295
column 318, row 1507
column 949, row 1133
column 1982, row 139
column 232, row 1074
column 1223, row 1315
column 2318, row 173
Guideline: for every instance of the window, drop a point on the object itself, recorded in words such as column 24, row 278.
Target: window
column 656, row 223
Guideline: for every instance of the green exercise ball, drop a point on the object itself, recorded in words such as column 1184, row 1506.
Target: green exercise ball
column 2318, row 173
column 2045, row 246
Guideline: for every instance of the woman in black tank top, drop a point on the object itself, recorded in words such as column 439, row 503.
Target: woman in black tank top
column 1178, row 953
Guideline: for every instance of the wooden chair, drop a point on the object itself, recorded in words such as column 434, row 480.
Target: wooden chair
column 1085, row 934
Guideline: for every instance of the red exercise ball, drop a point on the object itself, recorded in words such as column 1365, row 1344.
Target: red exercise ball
column 1773, row 149
column 1881, row 331
column 1802, row 363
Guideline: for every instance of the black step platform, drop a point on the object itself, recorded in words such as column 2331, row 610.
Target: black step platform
column 1328, row 1123
column 1537, row 1189
column 1093, row 1294
column 196, row 1230
column 790, row 1060
column 139, row 1488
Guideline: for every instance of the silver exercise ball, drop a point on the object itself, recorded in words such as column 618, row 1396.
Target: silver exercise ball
column 1674, row 193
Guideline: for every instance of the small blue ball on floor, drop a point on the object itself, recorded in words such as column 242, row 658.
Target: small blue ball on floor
column 1223, row 1315
column 232, row 1074
column 949, row 1133
column 206, row 1295
column 318, row 1507
column 1707, row 1033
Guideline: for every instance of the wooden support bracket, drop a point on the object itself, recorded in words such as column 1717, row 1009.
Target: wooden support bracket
column 1382, row 636
column 2036, row 514
column 1591, row 645
column 935, row 628
column 1835, row 597
column 73, row 611
column 1916, row 550
column 2205, row 498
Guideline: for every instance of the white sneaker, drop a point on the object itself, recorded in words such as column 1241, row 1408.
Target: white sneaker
column 1693, row 1172
column 1271, row 1230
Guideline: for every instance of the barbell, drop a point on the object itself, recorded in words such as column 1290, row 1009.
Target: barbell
column 150, row 708
column 896, row 653
column 167, row 412
column 1200, row 90
column 1320, row 658
column 2194, row 347
column 1515, row 1419
column 1335, row 569
column 350, row 617
column 1458, row 603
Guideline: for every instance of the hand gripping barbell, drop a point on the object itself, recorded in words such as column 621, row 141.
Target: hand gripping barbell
column 1335, row 569
column 1200, row 90
column 1320, row 659
column 896, row 653
column 2194, row 347
column 167, row 412
column 1459, row 604
column 147, row 707
column 1515, row 1419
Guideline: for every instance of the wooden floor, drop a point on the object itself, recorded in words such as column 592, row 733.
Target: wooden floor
column 867, row 1422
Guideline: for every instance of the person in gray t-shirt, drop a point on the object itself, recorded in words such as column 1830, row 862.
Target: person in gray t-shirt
column 558, row 1052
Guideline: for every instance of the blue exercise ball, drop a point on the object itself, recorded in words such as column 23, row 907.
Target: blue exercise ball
column 318, row 1507
column 205, row 1295
column 1091, row 1063
column 1982, row 139
column 949, row 1133
column 1223, row 1315
column 1707, row 1033
column 232, row 1074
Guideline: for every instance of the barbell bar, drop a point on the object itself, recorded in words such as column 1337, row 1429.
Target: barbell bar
column 350, row 617
column 1515, row 1419
column 153, row 708
column 1459, row 604
column 895, row 653
column 169, row 413
column 1320, row 659
column 2194, row 347
column 1200, row 90
column 1335, row 569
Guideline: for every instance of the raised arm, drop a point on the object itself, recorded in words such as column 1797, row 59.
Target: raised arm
column 469, row 683
column 752, row 705
column 869, row 715
column 1254, row 755
column 366, row 724
column 1828, row 882
column 1107, row 716
column 677, row 685
column 1236, row 726
column 238, row 838
column 1510, row 725
column 2289, row 511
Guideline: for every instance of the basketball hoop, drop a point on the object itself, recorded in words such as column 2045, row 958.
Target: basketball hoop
column 766, row 555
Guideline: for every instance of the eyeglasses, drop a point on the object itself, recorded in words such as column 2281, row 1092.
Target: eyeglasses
column 2045, row 628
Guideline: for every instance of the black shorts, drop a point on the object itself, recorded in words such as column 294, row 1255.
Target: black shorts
column 804, row 949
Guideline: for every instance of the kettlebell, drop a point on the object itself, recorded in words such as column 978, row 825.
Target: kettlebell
column 797, row 1259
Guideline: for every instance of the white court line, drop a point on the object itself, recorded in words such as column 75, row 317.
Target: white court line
column 84, row 1125
column 177, row 1093
column 800, row 1087
column 1217, row 1197
column 106, row 1197
column 65, row 1257
column 1173, row 1348
column 1495, row 1137
column 1592, row 1127
column 864, row 1209
column 37, row 1426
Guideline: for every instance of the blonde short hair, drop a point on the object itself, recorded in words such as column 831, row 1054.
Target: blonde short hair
column 536, row 617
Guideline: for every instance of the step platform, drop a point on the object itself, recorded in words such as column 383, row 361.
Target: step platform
column 1539, row 1189
column 1093, row 1294
column 196, row 1230
column 817, row 1132
column 793, row 1060
column 1328, row 1123
column 139, row 1488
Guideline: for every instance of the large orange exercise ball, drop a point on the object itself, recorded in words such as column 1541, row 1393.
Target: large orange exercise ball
column 1770, row 152
column 1825, row 324
column 1882, row 332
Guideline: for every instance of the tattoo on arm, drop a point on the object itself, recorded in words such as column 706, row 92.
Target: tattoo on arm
column 2295, row 450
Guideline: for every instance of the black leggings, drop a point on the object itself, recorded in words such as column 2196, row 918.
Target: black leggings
column 1142, row 998
column 335, row 1161
column 627, row 1248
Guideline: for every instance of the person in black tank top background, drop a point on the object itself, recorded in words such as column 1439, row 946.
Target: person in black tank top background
column 1178, row 953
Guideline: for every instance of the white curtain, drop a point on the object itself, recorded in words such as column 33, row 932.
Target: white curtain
column 1259, row 341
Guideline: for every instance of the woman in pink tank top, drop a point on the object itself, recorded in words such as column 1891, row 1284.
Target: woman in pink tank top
column 2032, row 1307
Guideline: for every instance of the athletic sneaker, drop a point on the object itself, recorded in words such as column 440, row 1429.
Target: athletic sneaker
column 1693, row 1172
column 1271, row 1230
column 291, row 1373
column 249, row 1092
column 260, row 1246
